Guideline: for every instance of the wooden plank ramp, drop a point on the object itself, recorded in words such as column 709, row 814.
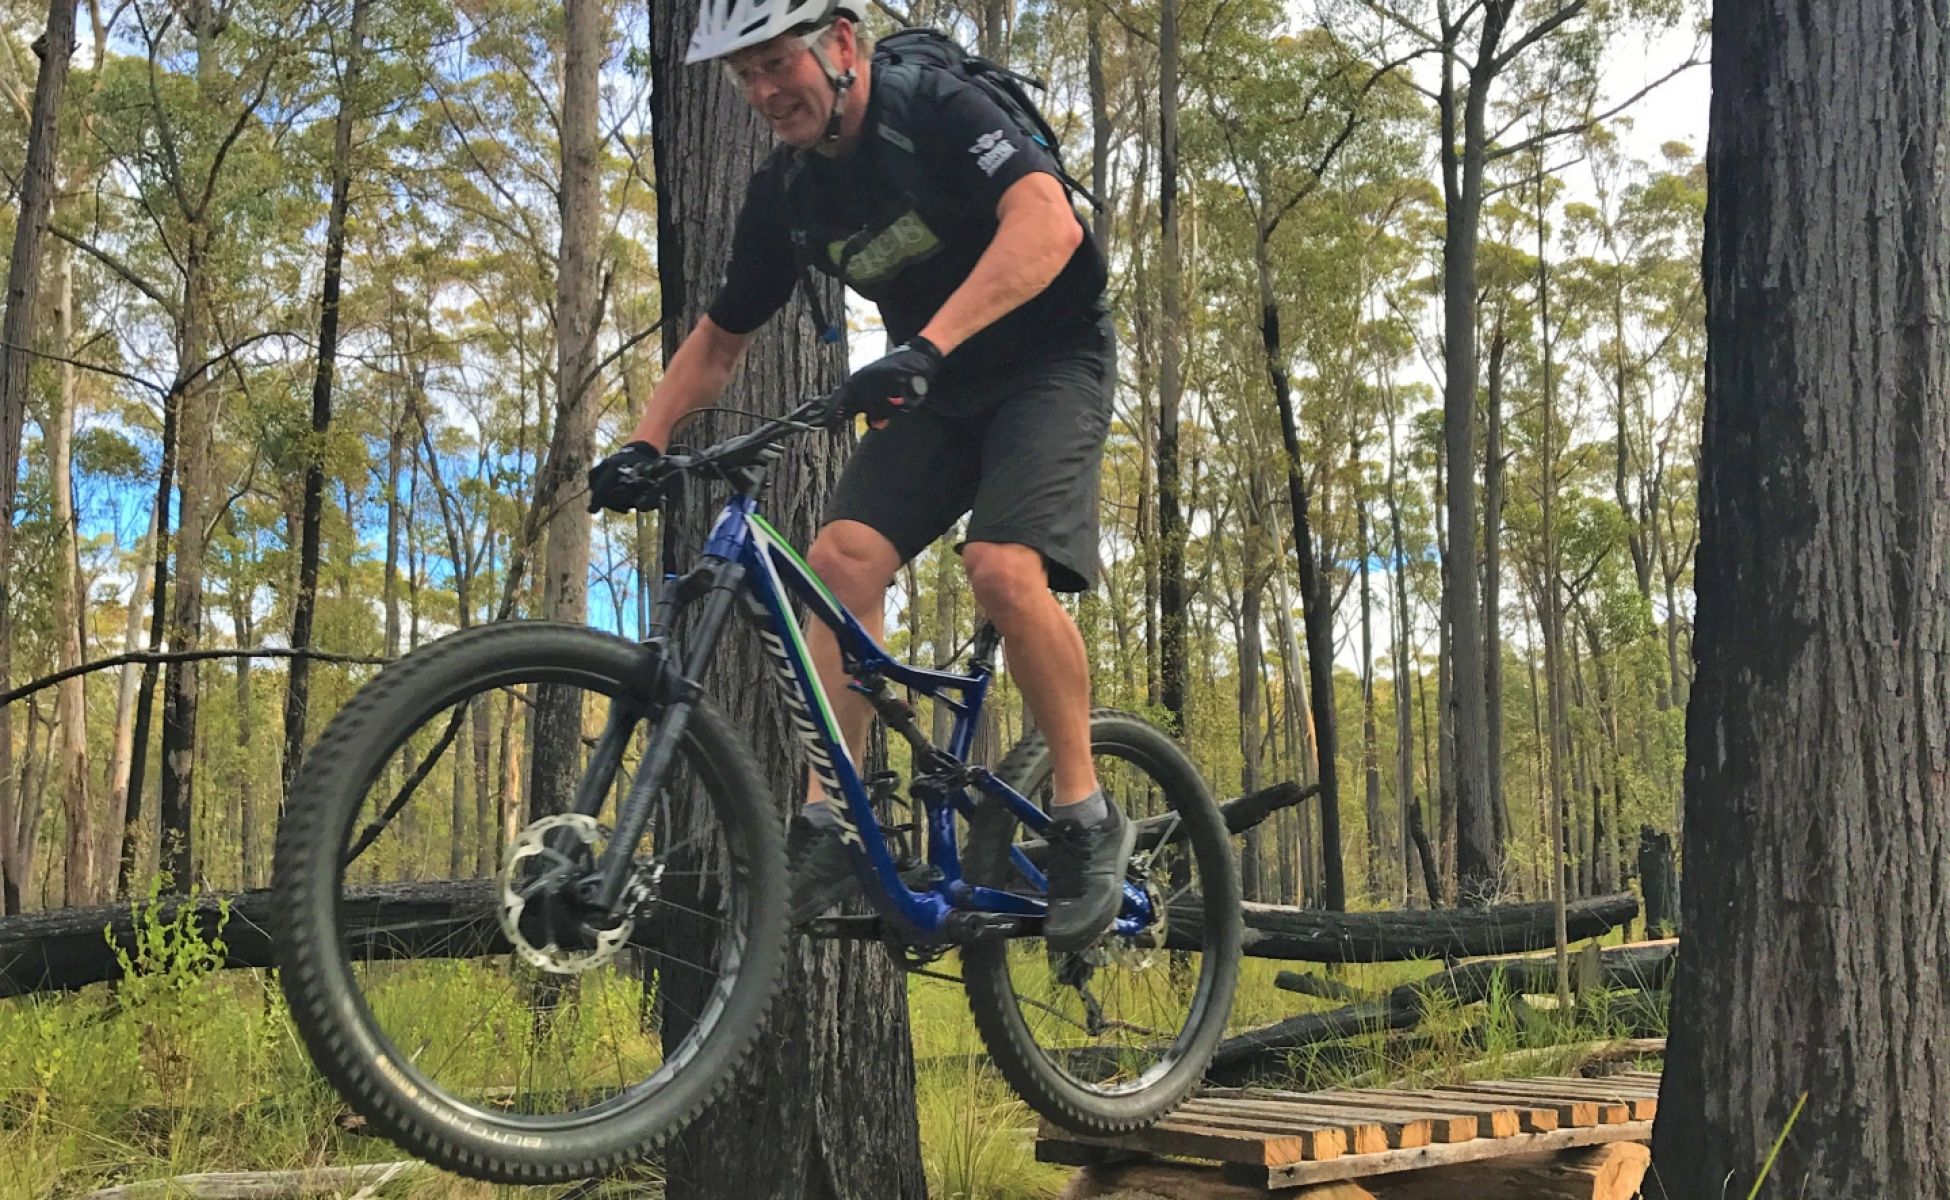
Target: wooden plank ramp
column 1550, row 1138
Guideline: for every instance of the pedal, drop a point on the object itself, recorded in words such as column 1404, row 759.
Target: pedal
column 863, row 928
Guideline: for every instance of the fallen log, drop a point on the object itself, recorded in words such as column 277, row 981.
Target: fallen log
column 1312, row 935
column 1320, row 987
column 1639, row 966
column 1643, row 966
column 64, row 949
column 70, row 948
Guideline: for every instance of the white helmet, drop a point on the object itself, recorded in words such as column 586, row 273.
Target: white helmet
column 728, row 26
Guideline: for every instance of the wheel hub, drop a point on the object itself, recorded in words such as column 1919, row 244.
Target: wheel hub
column 539, row 912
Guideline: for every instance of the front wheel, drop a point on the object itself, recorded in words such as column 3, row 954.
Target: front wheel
column 1113, row 1038
column 481, row 1022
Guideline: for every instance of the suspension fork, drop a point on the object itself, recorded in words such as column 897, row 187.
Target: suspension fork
column 677, row 689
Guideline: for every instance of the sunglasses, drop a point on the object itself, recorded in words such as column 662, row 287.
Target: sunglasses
column 776, row 64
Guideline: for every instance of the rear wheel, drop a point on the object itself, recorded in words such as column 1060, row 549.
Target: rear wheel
column 1114, row 1037
column 481, row 1024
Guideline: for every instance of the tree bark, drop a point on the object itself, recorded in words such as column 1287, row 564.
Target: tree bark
column 829, row 1092
column 1171, row 520
column 1100, row 129
column 36, row 201
column 1479, row 858
column 1399, row 634
column 297, row 696
column 1817, row 733
column 1445, row 686
column 1250, row 647
column 80, row 875
column 1493, row 468
column 1315, row 599
column 245, row 778
column 1370, row 753
column 196, row 400
column 557, row 757
column 118, row 838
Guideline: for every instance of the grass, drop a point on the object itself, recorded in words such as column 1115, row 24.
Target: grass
column 182, row 1068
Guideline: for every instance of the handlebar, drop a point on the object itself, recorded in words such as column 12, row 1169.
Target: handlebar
column 748, row 449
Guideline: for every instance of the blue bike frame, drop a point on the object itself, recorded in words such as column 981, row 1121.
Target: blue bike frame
column 774, row 574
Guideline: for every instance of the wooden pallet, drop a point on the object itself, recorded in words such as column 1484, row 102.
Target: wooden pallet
column 1265, row 1138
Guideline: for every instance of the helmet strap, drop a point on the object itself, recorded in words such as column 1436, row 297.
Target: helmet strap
column 841, row 81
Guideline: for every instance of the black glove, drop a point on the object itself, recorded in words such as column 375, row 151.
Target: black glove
column 624, row 481
column 892, row 385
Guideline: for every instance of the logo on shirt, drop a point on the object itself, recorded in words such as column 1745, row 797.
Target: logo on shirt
column 903, row 241
column 991, row 150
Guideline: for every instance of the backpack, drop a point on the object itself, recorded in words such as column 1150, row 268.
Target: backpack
column 898, row 59
column 932, row 49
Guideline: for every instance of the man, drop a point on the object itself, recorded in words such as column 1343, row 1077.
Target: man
column 960, row 229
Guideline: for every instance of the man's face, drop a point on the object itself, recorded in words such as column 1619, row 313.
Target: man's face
column 783, row 80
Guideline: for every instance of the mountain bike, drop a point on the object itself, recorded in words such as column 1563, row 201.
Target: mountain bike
column 565, row 1016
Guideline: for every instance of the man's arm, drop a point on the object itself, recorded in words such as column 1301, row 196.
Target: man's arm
column 1038, row 234
column 697, row 375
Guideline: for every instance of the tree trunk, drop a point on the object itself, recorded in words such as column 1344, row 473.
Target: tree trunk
column 1816, row 736
column 1249, row 707
column 1370, row 753
column 1171, row 520
column 297, row 697
column 1297, row 857
column 244, row 781
column 1400, row 629
column 389, row 572
column 1315, row 599
column 1493, row 467
column 117, row 839
column 994, row 41
column 557, row 756
column 1100, row 130
column 196, row 399
column 833, row 1111
column 81, row 875
column 1479, row 858
column 1445, row 686
column 36, row 184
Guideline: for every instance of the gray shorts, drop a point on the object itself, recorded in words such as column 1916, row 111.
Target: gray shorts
column 1022, row 451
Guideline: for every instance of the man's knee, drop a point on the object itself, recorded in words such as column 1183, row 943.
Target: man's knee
column 854, row 560
column 1005, row 576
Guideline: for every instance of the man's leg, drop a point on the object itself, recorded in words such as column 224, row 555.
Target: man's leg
column 1090, row 839
column 857, row 564
column 1045, row 655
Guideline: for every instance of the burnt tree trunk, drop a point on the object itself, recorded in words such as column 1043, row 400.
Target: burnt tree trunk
column 834, row 1112
column 1171, row 519
column 1315, row 601
column 1817, row 735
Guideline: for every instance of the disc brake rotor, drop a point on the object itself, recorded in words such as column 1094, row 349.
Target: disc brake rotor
column 524, row 882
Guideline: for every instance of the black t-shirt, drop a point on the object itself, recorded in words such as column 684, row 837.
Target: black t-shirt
column 905, row 247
